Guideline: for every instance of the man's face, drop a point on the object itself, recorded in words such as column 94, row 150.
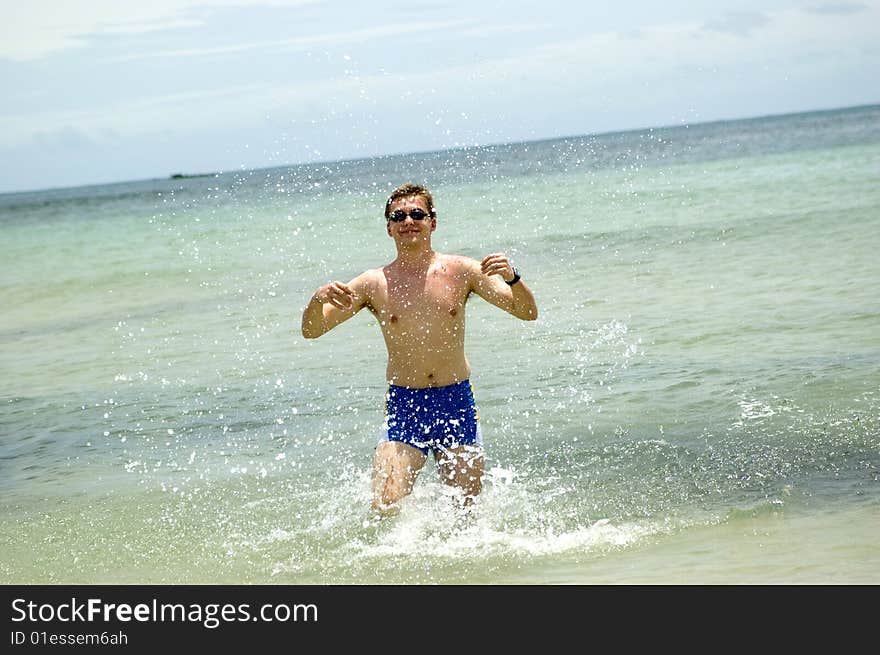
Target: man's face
column 409, row 230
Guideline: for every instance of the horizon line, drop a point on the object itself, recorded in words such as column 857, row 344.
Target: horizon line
column 346, row 160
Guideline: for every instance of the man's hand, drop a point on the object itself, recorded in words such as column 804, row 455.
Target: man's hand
column 332, row 304
column 497, row 264
column 337, row 294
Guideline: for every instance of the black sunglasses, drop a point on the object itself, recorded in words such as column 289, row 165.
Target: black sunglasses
column 416, row 214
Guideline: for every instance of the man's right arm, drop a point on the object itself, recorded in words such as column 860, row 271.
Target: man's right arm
column 332, row 304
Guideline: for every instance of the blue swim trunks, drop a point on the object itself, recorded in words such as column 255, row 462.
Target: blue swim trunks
column 434, row 418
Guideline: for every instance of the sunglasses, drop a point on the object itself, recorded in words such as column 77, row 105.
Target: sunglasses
column 416, row 214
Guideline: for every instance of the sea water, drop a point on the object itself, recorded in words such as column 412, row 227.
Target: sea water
column 699, row 400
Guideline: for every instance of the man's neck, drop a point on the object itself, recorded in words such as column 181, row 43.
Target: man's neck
column 416, row 258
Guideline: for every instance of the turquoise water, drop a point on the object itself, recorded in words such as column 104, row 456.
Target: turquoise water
column 698, row 400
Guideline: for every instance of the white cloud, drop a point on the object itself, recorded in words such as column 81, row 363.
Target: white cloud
column 837, row 8
column 303, row 43
column 482, row 31
column 147, row 116
column 33, row 29
column 738, row 22
column 591, row 72
column 783, row 36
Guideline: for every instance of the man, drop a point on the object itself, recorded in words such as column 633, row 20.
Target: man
column 419, row 301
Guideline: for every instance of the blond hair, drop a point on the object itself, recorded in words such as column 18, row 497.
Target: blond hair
column 407, row 190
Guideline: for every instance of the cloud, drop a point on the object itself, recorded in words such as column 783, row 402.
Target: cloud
column 576, row 71
column 837, row 8
column 303, row 43
column 39, row 28
column 68, row 137
column 483, row 31
column 738, row 22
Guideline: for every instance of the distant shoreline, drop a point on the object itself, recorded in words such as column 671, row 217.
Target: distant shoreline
column 187, row 176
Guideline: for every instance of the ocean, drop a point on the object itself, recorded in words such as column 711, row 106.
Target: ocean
column 698, row 402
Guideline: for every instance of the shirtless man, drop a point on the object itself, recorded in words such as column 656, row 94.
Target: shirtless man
column 419, row 301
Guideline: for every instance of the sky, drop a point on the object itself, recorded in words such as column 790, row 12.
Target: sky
column 98, row 91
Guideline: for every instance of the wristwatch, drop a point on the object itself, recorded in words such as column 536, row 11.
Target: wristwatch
column 515, row 278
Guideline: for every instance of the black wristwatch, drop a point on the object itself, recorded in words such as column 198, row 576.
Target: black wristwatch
column 515, row 278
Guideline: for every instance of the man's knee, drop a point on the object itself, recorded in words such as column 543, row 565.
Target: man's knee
column 463, row 468
column 391, row 486
column 395, row 470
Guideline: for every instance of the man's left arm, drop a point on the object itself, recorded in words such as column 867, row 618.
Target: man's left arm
column 495, row 281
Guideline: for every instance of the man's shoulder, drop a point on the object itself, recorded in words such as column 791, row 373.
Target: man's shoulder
column 370, row 274
column 459, row 262
column 368, row 281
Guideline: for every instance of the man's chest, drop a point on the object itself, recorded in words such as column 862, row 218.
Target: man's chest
column 426, row 299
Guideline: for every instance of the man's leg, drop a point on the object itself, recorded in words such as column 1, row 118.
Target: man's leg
column 462, row 467
column 395, row 468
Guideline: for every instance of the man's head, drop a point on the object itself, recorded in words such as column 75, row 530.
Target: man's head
column 406, row 191
column 410, row 217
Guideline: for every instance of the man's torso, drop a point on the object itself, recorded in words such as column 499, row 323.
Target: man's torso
column 421, row 314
